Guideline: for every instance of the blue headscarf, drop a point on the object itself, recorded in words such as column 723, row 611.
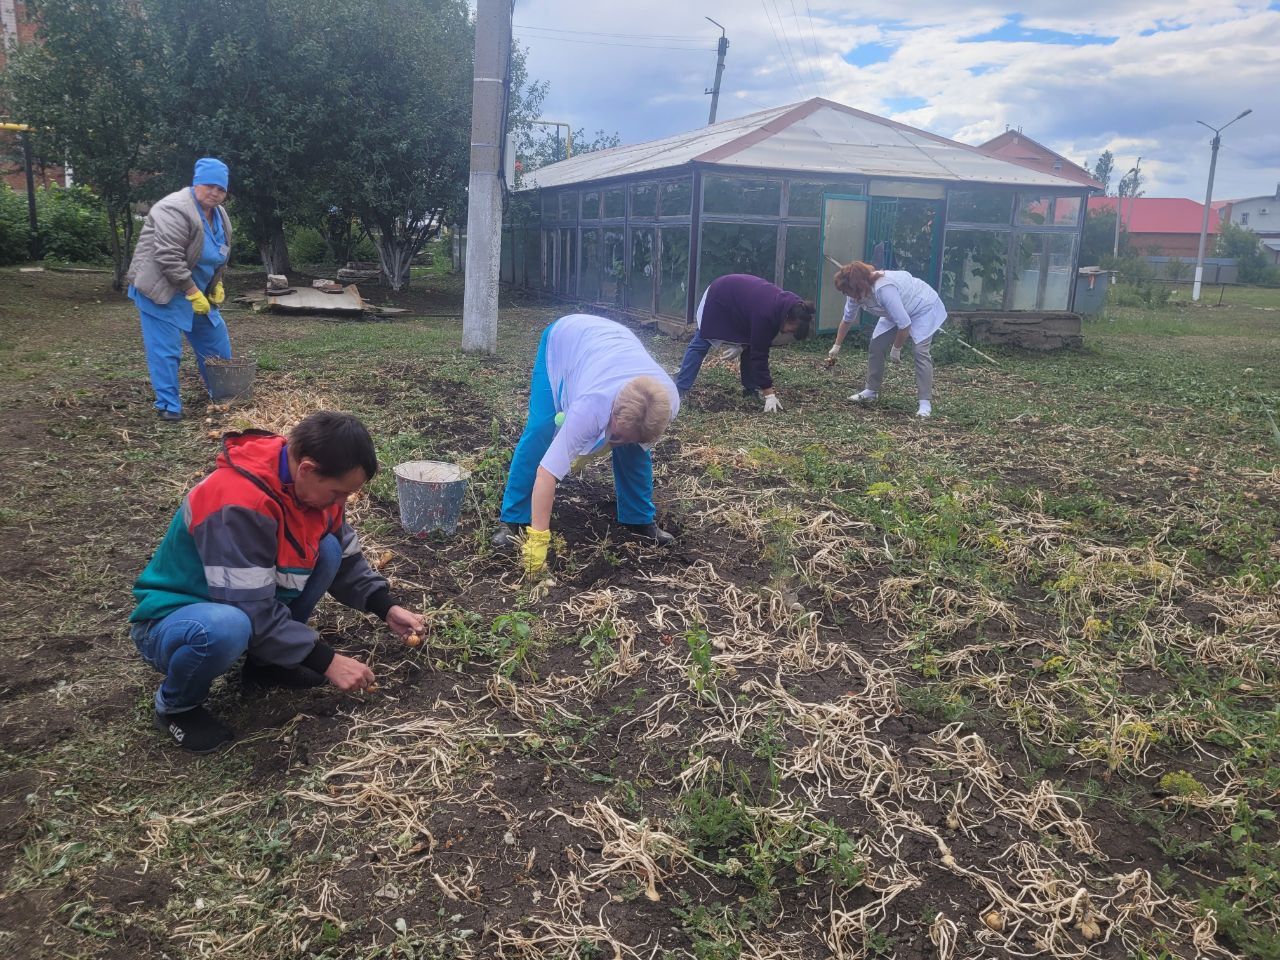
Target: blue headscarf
column 212, row 171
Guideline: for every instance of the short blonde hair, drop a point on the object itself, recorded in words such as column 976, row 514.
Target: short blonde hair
column 642, row 408
column 857, row 280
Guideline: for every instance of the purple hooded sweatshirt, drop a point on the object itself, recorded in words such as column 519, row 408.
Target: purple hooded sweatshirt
column 741, row 308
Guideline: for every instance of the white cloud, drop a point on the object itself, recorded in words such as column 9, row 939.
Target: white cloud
column 1140, row 94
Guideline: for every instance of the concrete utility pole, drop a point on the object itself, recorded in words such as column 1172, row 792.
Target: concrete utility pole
column 484, row 189
column 721, row 49
column 1208, row 198
column 1115, row 246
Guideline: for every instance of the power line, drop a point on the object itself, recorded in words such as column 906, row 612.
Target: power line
column 804, row 83
column 810, row 60
column 785, row 62
column 809, row 13
column 607, row 43
column 597, row 33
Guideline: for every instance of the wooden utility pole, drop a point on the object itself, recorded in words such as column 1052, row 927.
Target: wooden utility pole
column 484, row 191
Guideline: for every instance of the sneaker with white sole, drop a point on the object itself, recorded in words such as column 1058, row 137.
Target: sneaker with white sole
column 864, row 396
column 926, row 409
column 196, row 730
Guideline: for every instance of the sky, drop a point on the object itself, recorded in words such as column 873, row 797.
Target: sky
column 1130, row 76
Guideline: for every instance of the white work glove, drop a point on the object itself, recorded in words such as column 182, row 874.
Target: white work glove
column 895, row 354
column 729, row 352
column 772, row 404
column 832, row 354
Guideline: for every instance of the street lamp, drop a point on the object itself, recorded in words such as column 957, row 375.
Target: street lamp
column 1208, row 197
column 1115, row 244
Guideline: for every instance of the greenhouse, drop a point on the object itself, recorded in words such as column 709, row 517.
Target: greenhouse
column 781, row 194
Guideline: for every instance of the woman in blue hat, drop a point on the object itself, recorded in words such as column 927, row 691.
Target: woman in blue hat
column 176, row 280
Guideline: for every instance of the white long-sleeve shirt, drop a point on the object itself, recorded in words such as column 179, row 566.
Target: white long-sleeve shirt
column 901, row 300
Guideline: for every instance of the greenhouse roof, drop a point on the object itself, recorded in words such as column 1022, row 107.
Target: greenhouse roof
column 814, row 136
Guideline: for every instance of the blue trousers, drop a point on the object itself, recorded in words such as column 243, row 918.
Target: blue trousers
column 196, row 644
column 696, row 352
column 632, row 463
column 163, row 343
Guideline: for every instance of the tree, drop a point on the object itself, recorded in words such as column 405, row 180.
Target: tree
column 1131, row 184
column 1245, row 247
column 257, row 92
column 1102, row 169
column 547, row 145
column 404, row 154
column 1099, row 234
column 89, row 87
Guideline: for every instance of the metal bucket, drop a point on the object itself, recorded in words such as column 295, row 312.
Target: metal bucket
column 430, row 494
column 229, row 379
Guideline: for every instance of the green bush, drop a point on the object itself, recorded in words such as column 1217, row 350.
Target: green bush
column 244, row 252
column 306, row 245
column 14, row 232
column 73, row 225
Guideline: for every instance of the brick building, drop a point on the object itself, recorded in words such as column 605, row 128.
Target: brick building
column 18, row 26
column 1165, row 226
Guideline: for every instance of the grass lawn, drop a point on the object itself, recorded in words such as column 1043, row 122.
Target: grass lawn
column 1001, row 683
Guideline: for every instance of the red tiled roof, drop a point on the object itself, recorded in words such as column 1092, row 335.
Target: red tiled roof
column 1162, row 214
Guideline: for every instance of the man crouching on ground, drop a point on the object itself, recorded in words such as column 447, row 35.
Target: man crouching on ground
column 253, row 548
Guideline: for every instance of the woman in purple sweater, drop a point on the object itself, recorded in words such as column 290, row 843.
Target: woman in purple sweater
column 743, row 314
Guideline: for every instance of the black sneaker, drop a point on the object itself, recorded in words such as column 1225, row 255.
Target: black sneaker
column 507, row 536
column 751, row 392
column 169, row 416
column 650, row 531
column 196, row 730
column 274, row 675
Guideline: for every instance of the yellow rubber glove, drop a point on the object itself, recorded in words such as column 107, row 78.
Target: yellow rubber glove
column 580, row 462
column 534, row 552
column 218, row 294
column 199, row 302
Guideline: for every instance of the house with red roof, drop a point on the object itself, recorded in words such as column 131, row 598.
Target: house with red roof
column 1164, row 226
column 1016, row 147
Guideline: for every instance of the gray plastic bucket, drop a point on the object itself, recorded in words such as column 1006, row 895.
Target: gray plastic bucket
column 430, row 494
column 228, row 379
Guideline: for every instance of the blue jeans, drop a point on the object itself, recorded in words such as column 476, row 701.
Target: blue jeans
column 163, row 343
column 696, row 352
column 632, row 463
column 196, row 644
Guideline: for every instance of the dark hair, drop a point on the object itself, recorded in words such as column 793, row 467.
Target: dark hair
column 337, row 442
column 802, row 314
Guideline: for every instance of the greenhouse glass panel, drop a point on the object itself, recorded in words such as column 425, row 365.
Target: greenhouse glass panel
column 517, row 256
column 568, row 261
column 800, row 262
column 549, row 208
column 913, row 236
column 1066, row 212
column 640, row 274
column 1033, row 210
column 569, row 206
column 740, row 195
column 589, row 281
column 644, row 200
column 974, row 269
column 532, row 258
column 804, row 199
column 1060, row 254
column 591, row 205
column 1025, row 271
column 550, row 239
column 506, row 264
column 736, row 248
column 615, row 204
column 676, row 198
column 979, row 206
column 613, row 266
column 673, row 281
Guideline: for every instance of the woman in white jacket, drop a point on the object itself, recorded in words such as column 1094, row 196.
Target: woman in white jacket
column 907, row 307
